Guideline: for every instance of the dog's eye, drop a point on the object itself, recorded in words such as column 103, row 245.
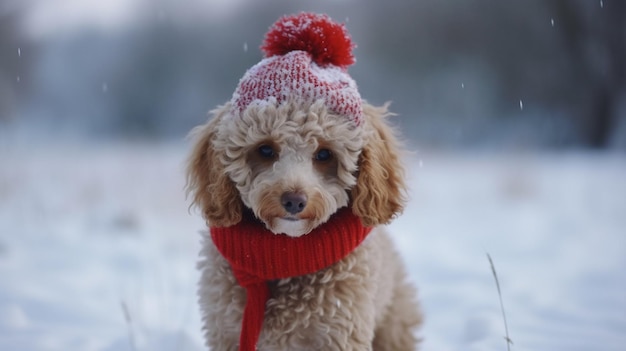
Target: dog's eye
column 266, row 151
column 323, row 155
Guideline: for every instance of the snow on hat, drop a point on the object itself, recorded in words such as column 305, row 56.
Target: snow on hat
column 306, row 59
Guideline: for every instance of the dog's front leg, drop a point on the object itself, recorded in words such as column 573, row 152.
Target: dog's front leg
column 222, row 301
column 328, row 310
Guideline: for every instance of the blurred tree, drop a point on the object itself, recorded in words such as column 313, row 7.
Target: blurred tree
column 14, row 69
column 594, row 34
column 537, row 73
column 565, row 59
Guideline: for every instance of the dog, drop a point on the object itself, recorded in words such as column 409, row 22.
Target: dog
column 289, row 168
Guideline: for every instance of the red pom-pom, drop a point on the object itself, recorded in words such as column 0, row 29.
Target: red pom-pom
column 326, row 41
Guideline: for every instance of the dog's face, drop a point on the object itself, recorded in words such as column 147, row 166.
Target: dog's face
column 292, row 166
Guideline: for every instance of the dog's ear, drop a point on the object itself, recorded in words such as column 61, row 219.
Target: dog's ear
column 213, row 191
column 380, row 192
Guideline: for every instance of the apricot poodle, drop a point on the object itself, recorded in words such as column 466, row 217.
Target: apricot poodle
column 293, row 167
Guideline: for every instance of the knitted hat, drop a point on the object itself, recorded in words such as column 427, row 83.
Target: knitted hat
column 306, row 59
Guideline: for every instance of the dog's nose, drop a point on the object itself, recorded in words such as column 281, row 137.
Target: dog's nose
column 293, row 202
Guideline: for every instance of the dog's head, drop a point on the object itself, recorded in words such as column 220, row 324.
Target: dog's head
column 294, row 166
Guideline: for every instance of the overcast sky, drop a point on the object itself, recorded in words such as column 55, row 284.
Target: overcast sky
column 44, row 17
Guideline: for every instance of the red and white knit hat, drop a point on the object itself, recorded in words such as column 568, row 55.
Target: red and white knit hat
column 306, row 59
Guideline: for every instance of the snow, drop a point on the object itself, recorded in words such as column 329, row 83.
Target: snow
column 554, row 225
column 98, row 249
column 86, row 230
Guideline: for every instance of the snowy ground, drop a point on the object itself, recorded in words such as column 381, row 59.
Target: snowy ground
column 98, row 250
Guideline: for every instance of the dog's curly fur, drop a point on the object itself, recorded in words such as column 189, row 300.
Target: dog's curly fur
column 363, row 302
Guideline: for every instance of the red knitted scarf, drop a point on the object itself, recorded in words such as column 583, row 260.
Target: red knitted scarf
column 257, row 255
